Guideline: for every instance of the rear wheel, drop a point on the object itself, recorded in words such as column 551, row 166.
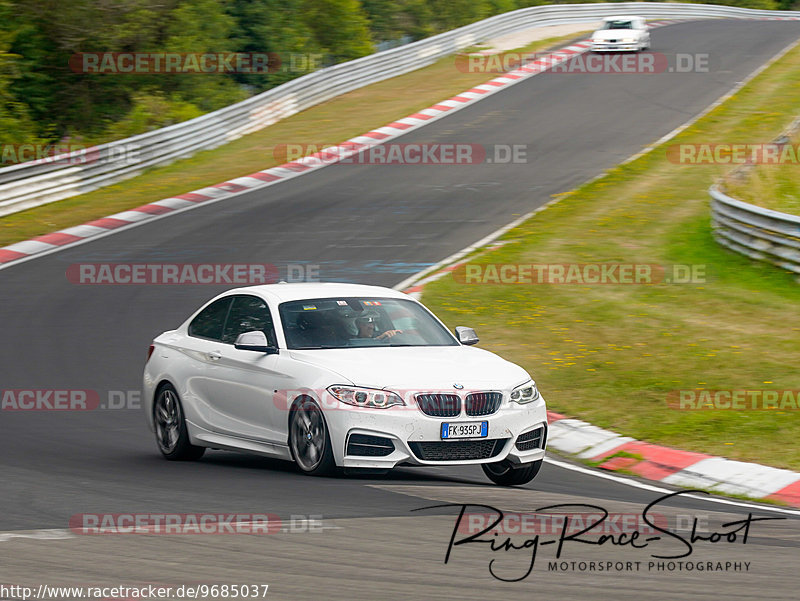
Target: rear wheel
column 505, row 474
column 171, row 433
column 309, row 440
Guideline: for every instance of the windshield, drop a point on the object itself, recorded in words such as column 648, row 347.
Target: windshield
column 360, row 322
column 618, row 25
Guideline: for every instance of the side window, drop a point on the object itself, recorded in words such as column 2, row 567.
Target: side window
column 248, row 313
column 209, row 322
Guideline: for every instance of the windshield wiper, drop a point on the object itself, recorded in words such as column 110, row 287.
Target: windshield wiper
column 315, row 348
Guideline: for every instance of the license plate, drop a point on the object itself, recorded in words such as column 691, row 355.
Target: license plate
column 465, row 430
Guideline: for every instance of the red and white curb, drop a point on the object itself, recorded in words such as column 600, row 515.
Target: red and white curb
column 53, row 242
column 611, row 451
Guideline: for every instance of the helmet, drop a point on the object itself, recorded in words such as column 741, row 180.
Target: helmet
column 365, row 318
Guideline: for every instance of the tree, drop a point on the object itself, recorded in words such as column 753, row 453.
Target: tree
column 16, row 126
column 277, row 28
column 201, row 26
column 393, row 19
column 51, row 32
column 449, row 14
column 340, row 28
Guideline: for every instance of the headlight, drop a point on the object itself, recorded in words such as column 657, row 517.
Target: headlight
column 365, row 397
column 526, row 393
column 629, row 40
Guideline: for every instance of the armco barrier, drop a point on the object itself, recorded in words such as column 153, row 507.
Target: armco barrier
column 32, row 184
column 759, row 233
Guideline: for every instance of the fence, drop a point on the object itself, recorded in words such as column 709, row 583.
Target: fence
column 35, row 183
column 759, row 233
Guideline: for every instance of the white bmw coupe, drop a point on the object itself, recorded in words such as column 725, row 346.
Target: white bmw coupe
column 340, row 376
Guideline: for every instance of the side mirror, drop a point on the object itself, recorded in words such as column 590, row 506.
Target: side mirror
column 254, row 341
column 466, row 335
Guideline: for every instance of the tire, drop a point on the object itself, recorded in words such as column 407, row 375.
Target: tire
column 503, row 474
column 172, row 436
column 309, row 440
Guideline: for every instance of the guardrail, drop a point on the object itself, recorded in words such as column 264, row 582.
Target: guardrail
column 759, row 233
column 35, row 183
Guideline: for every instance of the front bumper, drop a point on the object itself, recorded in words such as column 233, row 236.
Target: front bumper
column 615, row 47
column 416, row 436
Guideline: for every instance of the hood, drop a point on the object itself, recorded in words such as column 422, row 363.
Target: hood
column 418, row 368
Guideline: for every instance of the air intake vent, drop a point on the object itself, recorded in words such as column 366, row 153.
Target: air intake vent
column 531, row 440
column 462, row 450
column 363, row 445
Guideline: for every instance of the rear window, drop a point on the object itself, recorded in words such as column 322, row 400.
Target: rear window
column 618, row 25
column 350, row 322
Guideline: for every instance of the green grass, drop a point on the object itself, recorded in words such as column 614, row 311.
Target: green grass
column 332, row 122
column 775, row 187
column 611, row 354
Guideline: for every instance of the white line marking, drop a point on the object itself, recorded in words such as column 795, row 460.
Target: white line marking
column 51, row 534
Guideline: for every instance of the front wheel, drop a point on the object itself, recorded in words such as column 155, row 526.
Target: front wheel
column 309, row 439
column 171, row 433
column 504, row 474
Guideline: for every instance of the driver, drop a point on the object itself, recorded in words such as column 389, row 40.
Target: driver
column 367, row 326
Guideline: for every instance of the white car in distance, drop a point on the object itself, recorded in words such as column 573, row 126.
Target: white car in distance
column 621, row 34
column 340, row 376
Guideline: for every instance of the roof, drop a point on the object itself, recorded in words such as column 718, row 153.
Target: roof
column 299, row 291
column 623, row 18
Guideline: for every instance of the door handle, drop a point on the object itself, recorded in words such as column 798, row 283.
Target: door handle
column 214, row 355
